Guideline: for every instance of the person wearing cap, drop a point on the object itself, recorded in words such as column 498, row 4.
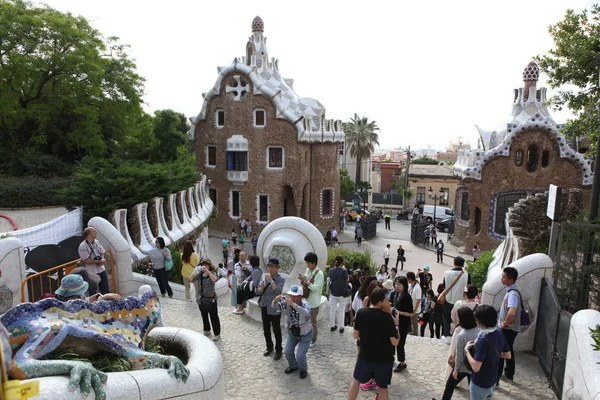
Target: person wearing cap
column 253, row 280
column 425, row 278
column 339, row 293
column 206, row 297
column 389, row 287
column 299, row 327
column 74, row 287
column 270, row 287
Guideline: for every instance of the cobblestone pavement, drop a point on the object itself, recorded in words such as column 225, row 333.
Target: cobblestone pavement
column 249, row 375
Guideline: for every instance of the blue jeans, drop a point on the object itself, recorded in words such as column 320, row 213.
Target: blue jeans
column 299, row 359
column 479, row 393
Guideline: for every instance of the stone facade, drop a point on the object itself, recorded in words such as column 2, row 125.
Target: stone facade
column 524, row 159
column 255, row 137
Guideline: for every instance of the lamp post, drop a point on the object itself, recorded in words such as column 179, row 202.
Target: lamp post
column 435, row 197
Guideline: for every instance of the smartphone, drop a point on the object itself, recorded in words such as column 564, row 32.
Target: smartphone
column 394, row 312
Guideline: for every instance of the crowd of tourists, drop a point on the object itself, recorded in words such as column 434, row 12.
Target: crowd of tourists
column 383, row 310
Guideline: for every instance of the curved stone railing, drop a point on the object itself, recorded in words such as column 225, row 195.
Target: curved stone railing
column 532, row 269
column 206, row 380
column 582, row 371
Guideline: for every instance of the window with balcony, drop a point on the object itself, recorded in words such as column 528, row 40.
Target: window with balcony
column 235, row 204
column 237, row 161
column 263, row 208
column 260, row 118
column 275, row 158
column 211, row 156
column 420, row 195
column 326, row 202
column 220, row 118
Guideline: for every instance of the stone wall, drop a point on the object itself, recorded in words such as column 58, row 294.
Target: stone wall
column 528, row 221
column 308, row 168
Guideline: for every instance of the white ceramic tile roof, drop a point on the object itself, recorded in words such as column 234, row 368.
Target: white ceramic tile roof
column 307, row 114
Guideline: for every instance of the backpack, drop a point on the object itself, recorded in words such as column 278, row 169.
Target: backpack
column 526, row 313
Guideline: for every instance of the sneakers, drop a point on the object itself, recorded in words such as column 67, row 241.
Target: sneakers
column 400, row 367
column 277, row 356
column 268, row 352
column 238, row 312
column 303, row 374
column 215, row 338
column 312, row 343
column 289, row 370
column 333, row 328
column 369, row 386
column 447, row 339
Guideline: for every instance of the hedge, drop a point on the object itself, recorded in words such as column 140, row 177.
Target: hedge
column 31, row 191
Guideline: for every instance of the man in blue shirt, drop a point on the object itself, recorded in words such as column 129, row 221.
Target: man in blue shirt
column 509, row 319
column 490, row 347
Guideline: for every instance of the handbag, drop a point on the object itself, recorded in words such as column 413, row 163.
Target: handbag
column 168, row 264
column 306, row 284
column 442, row 297
column 526, row 313
column 452, row 360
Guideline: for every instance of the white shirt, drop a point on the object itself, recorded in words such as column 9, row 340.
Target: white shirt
column 416, row 293
column 386, row 253
column 333, row 233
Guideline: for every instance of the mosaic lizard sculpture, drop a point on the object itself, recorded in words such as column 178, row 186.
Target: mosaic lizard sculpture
column 120, row 327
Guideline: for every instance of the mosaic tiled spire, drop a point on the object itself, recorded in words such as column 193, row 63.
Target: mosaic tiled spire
column 256, row 49
column 531, row 73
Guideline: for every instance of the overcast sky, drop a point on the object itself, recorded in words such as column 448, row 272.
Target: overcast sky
column 426, row 72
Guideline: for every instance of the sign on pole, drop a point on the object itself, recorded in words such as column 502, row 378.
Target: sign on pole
column 554, row 194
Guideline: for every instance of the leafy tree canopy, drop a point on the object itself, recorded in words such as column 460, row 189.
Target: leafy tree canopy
column 64, row 89
column 346, row 183
column 425, row 160
column 575, row 62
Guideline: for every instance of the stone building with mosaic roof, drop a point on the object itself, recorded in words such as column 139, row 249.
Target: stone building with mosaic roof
column 521, row 160
column 267, row 152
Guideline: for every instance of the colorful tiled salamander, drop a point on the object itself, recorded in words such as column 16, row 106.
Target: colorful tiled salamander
column 120, row 327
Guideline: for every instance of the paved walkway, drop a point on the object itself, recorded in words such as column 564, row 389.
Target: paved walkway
column 250, row 375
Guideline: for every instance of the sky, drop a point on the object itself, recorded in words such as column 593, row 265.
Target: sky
column 426, row 71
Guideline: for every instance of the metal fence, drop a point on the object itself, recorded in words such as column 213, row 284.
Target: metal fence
column 577, row 267
column 381, row 199
column 552, row 336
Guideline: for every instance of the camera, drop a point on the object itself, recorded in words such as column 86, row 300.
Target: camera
column 98, row 258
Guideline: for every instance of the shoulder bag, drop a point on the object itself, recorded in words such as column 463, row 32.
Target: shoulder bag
column 306, row 284
column 442, row 296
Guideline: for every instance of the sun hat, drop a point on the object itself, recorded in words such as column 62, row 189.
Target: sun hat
column 426, row 267
column 295, row 291
column 388, row 285
column 273, row 261
column 206, row 261
column 72, row 285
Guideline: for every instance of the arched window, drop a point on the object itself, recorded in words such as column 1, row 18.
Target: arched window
column 519, row 158
column 545, row 158
column 532, row 158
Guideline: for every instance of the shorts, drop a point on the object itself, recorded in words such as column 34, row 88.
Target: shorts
column 381, row 372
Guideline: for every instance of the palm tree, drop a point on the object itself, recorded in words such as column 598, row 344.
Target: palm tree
column 360, row 140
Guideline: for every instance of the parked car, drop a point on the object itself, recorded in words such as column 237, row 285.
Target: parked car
column 353, row 212
column 445, row 225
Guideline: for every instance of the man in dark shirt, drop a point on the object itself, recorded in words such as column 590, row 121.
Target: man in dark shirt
column 425, row 278
column 400, row 257
column 378, row 335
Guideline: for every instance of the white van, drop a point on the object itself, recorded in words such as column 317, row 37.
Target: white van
column 440, row 213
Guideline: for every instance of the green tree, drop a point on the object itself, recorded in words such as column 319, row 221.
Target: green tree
column 346, row 184
column 425, row 160
column 361, row 139
column 64, row 89
column 170, row 130
column 574, row 62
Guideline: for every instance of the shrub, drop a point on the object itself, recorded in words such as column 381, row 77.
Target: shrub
column 596, row 336
column 478, row 269
column 104, row 185
column 363, row 258
column 174, row 275
column 31, row 191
